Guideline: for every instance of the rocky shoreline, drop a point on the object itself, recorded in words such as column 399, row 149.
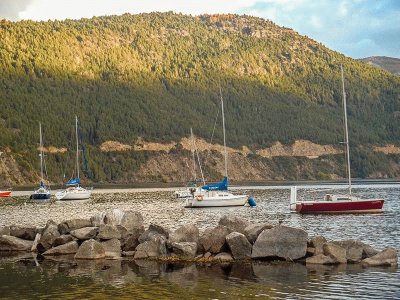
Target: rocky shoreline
column 117, row 234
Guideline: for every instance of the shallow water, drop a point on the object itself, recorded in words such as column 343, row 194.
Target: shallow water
column 67, row 279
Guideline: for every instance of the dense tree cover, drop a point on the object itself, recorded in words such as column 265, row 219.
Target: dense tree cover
column 156, row 75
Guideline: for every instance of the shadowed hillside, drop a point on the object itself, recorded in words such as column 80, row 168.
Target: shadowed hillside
column 153, row 76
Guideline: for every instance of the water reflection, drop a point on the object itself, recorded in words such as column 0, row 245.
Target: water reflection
column 23, row 277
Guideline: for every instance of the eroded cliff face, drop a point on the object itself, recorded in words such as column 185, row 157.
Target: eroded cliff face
column 173, row 162
column 11, row 172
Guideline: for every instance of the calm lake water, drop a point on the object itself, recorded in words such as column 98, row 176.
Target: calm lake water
column 28, row 278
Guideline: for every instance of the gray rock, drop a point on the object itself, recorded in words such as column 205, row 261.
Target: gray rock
column 185, row 233
column 337, row 253
column 132, row 241
column 252, row 231
column 320, row 259
column 97, row 219
column 50, row 233
column 356, row 250
column 132, row 220
column 113, row 217
column 26, row 233
column 281, row 241
column 68, row 248
column 5, row 230
column 124, row 232
column 108, row 232
column 207, row 255
column 12, row 243
column 387, row 257
column 73, row 224
column 85, row 233
column 152, row 232
column 239, row 245
column 318, row 243
column 213, row 239
column 152, row 248
column 90, row 249
column 184, row 249
column 369, row 251
column 234, row 223
column 112, row 248
column 223, row 256
column 63, row 239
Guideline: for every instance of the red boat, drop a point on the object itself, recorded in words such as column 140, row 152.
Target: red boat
column 5, row 193
column 336, row 204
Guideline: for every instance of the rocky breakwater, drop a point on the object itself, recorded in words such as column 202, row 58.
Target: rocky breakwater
column 116, row 234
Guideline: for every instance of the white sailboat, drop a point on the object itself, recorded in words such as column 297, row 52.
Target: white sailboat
column 217, row 195
column 42, row 192
column 74, row 191
column 192, row 187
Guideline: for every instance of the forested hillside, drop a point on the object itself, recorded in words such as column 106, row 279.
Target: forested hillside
column 153, row 76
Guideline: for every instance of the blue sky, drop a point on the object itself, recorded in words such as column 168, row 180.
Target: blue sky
column 357, row 28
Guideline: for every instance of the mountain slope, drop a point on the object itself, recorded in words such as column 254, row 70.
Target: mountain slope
column 390, row 64
column 153, row 76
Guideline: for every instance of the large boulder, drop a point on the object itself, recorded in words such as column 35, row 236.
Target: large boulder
column 387, row 257
column 112, row 248
column 184, row 249
column 320, row 259
column 234, row 223
column 12, row 243
column 337, row 253
column 50, row 233
column 73, row 224
column 63, row 239
column 356, row 250
column 90, row 249
column 131, row 241
column 213, row 239
column 239, row 245
column 132, row 220
column 281, row 241
column 113, row 217
column 85, row 233
column 318, row 243
column 68, row 248
column 152, row 248
column 153, row 231
column 252, row 231
column 185, row 233
column 108, row 232
column 26, row 233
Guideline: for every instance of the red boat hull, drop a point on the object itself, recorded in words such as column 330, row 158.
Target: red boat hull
column 331, row 207
column 5, row 193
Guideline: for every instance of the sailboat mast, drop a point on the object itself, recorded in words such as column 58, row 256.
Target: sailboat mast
column 223, row 128
column 77, row 146
column 41, row 151
column 346, row 132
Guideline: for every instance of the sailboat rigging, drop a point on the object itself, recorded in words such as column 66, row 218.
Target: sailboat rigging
column 217, row 195
column 43, row 191
column 74, row 191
